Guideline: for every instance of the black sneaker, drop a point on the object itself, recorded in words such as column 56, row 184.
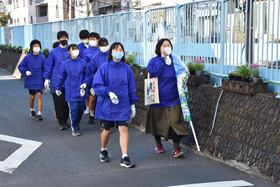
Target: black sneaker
column 125, row 162
column 101, row 126
column 40, row 118
column 62, row 127
column 91, row 120
column 76, row 133
column 67, row 125
column 33, row 114
column 104, row 156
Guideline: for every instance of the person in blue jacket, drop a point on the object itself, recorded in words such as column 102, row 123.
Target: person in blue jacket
column 32, row 67
column 115, row 88
column 74, row 74
column 89, row 53
column 55, row 45
column 95, row 63
column 164, row 119
column 84, row 42
column 54, row 61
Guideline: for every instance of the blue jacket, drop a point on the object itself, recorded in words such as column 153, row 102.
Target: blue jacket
column 90, row 52
column 119, row 79
column 73, row 72
column 54, row 61
column 95, row 63
column 167, row 82
column 35, row 64
column 82, row 48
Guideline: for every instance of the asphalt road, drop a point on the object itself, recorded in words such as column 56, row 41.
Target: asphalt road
column 64, row 160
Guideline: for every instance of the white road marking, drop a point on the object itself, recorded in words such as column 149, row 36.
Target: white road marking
column 218, row 184
column 14, row 160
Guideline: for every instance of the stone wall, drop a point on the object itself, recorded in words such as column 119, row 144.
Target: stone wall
column 10, row 60
column 246, row 127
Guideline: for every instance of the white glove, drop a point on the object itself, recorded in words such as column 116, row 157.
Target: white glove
column 58, row 92
column 92, row 92
column 112, row 96
column 133, row 111
column 47, row 84
column 84, row 85
column 28, row 73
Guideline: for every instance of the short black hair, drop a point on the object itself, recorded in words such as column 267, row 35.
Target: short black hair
column 103, row 42
column 35, row 42
column 62, row 33
column 83, row 34
column 115, row 46
column 159, row 44
column 94, row 34
column 72, row 46
column 55, row 44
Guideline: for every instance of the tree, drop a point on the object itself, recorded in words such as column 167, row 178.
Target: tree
column 4, row 20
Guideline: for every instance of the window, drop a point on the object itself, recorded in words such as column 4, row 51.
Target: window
column 24, row 21
column 10, row 2
column 23, row 3
column 14, row 3
column 11, row 21
column 15, row 21
column 17, row 3
column 18, row 21
column 31, row 20
column 30, row 2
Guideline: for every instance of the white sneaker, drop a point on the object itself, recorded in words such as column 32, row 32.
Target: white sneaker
column 87, row 111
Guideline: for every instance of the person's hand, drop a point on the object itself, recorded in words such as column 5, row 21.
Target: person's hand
column 133, row 111
column 28, row 73
column 162, row 53
column 113, row 96
column 83, row 86
column 92, row 92
column 58, row 92
column 47, row 84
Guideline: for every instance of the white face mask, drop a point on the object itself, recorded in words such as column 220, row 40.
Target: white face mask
column 167, row 51
column 85, row 41
column 75, row 53
column 36, row 49
column 104, row 49
column 92, row 43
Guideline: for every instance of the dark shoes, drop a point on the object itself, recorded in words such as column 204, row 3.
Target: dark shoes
column 91, row 120
column 40, row 118
column 104, row 156
column 125, row 162
column 33, row 114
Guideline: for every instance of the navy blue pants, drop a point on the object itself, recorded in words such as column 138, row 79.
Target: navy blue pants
column 77, row 109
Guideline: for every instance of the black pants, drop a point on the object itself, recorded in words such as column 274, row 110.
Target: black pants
column 61, row 107
column 175, row 137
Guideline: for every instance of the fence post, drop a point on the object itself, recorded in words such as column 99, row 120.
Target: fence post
column 178, row 30
column 222, row 39
column 145, row 37
column 120, row 28
column 84, row 23
column 60, row 25
column 71, row 30
column 101, row 25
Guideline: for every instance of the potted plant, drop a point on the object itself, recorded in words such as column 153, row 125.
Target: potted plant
column 130, row 59
column 245, row 73
column 46, row 52
column 198, row 66
column 237, row 75
column 14, row 48
column 231, row 74
column 19, row 49
column 5, row 47
column 255, row 72
column 9, row 48
column 26, row 50
column 190, row 66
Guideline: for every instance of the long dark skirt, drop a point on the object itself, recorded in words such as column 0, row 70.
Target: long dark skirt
column 160, row 120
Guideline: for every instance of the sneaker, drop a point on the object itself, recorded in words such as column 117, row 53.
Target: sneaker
column 177, row 153
column 67, row 125
column 55, row 116
column 62, row 127
column 91, row 120
column 40, row 118
column 101, row 126
column 104, row 156
column 86, row 111
column 33, row 114
column 76, row 133
column 159, row 148
column 125, row 162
